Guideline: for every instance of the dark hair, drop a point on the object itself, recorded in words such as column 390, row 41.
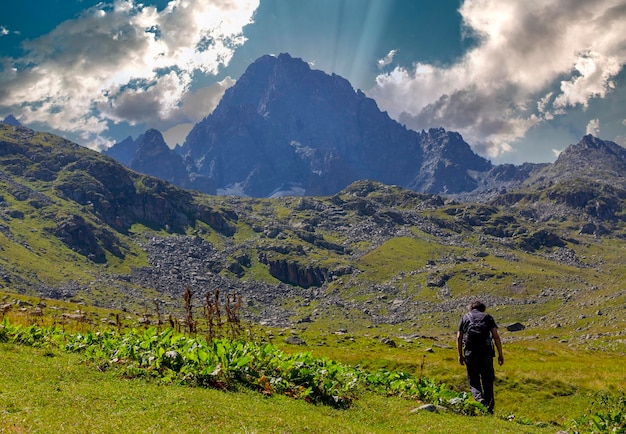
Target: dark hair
column 478, row 305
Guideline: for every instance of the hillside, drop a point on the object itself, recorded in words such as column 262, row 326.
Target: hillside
column 78, row 225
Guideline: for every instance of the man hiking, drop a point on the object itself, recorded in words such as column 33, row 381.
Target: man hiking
column 474, row 342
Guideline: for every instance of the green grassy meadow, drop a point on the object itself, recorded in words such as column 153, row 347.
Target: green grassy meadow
column 50, row 392
column 546, row 383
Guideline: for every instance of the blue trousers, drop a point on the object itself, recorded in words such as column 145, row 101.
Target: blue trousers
column 481, row 377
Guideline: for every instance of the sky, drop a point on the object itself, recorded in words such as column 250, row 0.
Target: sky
column 519, row 79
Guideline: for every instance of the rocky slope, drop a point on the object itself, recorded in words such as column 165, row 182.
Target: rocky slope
column 76, row 224
column 587, row 179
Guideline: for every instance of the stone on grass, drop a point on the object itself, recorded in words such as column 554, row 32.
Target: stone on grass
column 515, row 327
column 426, row 407
column 294, row 340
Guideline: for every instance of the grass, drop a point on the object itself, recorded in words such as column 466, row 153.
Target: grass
column 547, row 381
column 49, row 392
column 544, row 380
column 399, row 254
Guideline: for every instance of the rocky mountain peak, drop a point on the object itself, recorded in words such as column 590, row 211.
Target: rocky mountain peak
column 125, row 150
column 591, row 144
column 447, row 160
column 154, row 157
column 592, row 158
column 150, row 144
column 10, row 120
column 285, row 128
column 266, row 79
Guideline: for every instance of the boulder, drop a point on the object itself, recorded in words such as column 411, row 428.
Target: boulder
column 294, row 340
column 515, row 327
column 426, row 407
column 388, row 341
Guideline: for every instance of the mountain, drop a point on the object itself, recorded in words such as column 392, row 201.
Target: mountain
column 154, row 157
column 125, row 150
column 286, row 129
column 150, row 154
column 88, row 200
column 588, row 180
column 582, row 174
column 10, row 120
column 592, row 158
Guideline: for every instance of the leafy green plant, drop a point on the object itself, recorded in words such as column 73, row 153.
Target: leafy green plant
column 424, row 389
column 607, row 415
column 169, row 357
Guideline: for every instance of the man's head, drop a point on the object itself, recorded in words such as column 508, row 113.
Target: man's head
column 478, row 305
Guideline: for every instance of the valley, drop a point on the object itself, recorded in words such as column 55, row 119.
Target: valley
column 375, row 276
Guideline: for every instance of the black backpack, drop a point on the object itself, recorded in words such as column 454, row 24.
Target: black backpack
column 478, row 335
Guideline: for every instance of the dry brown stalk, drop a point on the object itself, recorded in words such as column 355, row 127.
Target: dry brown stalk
column 209, row 315
column 191, row 324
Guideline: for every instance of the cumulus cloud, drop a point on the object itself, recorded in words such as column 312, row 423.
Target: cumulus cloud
column 620, row 140
column 123, row 62
column 593, row 127
column 194, row 106
column 387, row 60
column 532, row 61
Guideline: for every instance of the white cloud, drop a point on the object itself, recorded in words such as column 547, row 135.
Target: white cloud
column 387, row 60
column 196, row 105
column 193, row 108
column 533, row 60
column 620, row 140
column 593, row 79
column 177, row 134
column 144, row 106
column 123, row 62
column 593, row 127
column 4, row 31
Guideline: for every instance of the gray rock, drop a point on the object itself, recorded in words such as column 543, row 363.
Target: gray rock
column 388, row 341
column 294, row 340
column 515, row 327
column 426, row 407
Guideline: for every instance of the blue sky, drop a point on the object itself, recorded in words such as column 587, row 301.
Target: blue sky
column 519, row 79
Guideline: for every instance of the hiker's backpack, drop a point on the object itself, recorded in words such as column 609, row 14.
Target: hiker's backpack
column 477, row 337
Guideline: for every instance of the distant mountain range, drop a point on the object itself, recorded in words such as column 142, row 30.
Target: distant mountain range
column 286, row 129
